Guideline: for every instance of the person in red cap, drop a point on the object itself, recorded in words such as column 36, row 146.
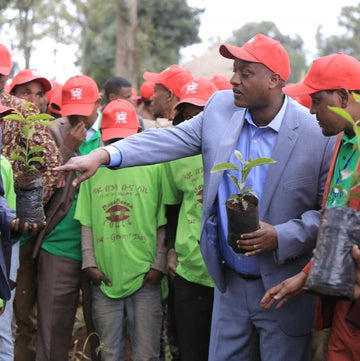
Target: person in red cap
column 30, row 85
column 330, row 82
column 144, row 102
column 117, row 87
column 258, row 120
column 58, row 245
column 54, row 99
column 221, row 82
column 25, row 298
column 120, row 213
column 167, row 91
column 193, row 288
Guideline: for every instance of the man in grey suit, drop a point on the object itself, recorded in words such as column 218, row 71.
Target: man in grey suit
column 258, row 120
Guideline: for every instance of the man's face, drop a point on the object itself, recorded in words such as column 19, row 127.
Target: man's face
column 124, row 93
column 160, row 101
column 329, row 122
column 3, row 80
column 250, row 83
column 32, row 92
column 87, row 120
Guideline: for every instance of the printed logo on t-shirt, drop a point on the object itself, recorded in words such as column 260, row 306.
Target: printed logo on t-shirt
column 117, row 212
column 121, row 117
column 76, row 93
column 191, row 88
column 200, row 195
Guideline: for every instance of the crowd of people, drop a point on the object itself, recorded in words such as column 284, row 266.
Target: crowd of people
column 135, row 221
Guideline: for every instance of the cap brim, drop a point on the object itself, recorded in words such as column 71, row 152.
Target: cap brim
column 5, row 70
column 77, row 109
column 195, row 101
column 43, row 81
column 235, row 52
column 151, row 76
column 113, row 133
column 5, row 110
column 295, row 90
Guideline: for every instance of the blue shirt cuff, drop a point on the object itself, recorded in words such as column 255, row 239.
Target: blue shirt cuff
column 115, row 156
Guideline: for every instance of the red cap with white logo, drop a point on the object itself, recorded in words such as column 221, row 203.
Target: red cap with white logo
column 197, row 92
column 119, row 120
column 28, row 75
column 222, row 82
column 79, row 95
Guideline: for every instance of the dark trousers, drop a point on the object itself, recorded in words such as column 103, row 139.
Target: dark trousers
column 193, row 311
column 59, row 282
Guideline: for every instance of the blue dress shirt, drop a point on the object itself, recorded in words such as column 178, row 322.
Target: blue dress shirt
column 254, row 142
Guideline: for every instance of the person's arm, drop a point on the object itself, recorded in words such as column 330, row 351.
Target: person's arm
column 153, row 146
column 88, row 262
column 172, row 215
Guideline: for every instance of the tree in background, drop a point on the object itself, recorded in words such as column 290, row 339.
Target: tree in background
column 293, row 45
column 348, row 43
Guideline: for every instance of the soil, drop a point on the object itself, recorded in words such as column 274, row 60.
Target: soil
column 252, row 204
column 23, row 179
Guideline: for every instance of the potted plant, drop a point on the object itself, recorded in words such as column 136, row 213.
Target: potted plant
column 333, row 271
column 242, row 207
column 29, row 159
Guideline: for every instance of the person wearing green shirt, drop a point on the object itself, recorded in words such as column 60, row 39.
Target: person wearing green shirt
column 58, row 246
column 121, row 212
column 193, row 288
column 331, row 82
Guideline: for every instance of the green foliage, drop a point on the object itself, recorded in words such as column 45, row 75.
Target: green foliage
column 26, row 154
column 245, row 168
column 293, row 45
column 349, row 42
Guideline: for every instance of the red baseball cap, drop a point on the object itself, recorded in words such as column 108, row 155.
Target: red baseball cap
column 221, row 82
column 28, row 75
column 329, row 72
column 54, row 97
column 79, row 95
column 197, row 92
column 146, row 90
column 261, row 49
column 5, row 110
column 5, row 60
column 174, row 78
column 119, row 120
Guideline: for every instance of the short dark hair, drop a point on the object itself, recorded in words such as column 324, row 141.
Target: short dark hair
column 114, row 84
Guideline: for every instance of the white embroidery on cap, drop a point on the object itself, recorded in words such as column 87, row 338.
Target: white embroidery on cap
column 191, row 88
column 121, row 117
column 76, row 93
column 252, row 39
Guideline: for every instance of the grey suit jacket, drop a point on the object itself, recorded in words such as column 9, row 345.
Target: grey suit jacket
column 291, row 198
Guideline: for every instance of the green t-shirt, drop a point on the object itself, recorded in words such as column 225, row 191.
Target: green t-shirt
column 8, row 182
column 65, row 239
column 183, row 183
column 347, row 159
column 123, row 208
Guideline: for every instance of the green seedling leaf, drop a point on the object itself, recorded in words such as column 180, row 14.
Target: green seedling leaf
column 37, row 148
column 238, row 155
column 17, row 117
column 356, row 96
column 244, row 204
column 224, row 166
column 260, row 161
column 46, row 123
column 42, row 116
column 17, row 157
column 237, row 183
column 37, row 159
column 343, row 113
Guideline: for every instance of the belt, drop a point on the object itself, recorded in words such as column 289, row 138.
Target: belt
column 244, row 275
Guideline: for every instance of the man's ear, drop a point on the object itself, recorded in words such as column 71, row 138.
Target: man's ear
column 344, row 97
column 274, row 80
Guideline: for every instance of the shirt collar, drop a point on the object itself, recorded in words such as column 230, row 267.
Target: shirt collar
column 345, row 139
column 276, row 122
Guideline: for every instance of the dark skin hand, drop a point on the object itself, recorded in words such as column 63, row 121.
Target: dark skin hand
column 153, row 277
column 172, row 262
column 31, row 229
column 262, row 240
column 75, row 136
column 97, row 277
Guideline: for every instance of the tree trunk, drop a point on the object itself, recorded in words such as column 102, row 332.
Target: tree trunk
column 126, row 64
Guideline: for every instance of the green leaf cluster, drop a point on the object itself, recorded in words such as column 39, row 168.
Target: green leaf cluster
column 244, row 169
column 26, row 154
